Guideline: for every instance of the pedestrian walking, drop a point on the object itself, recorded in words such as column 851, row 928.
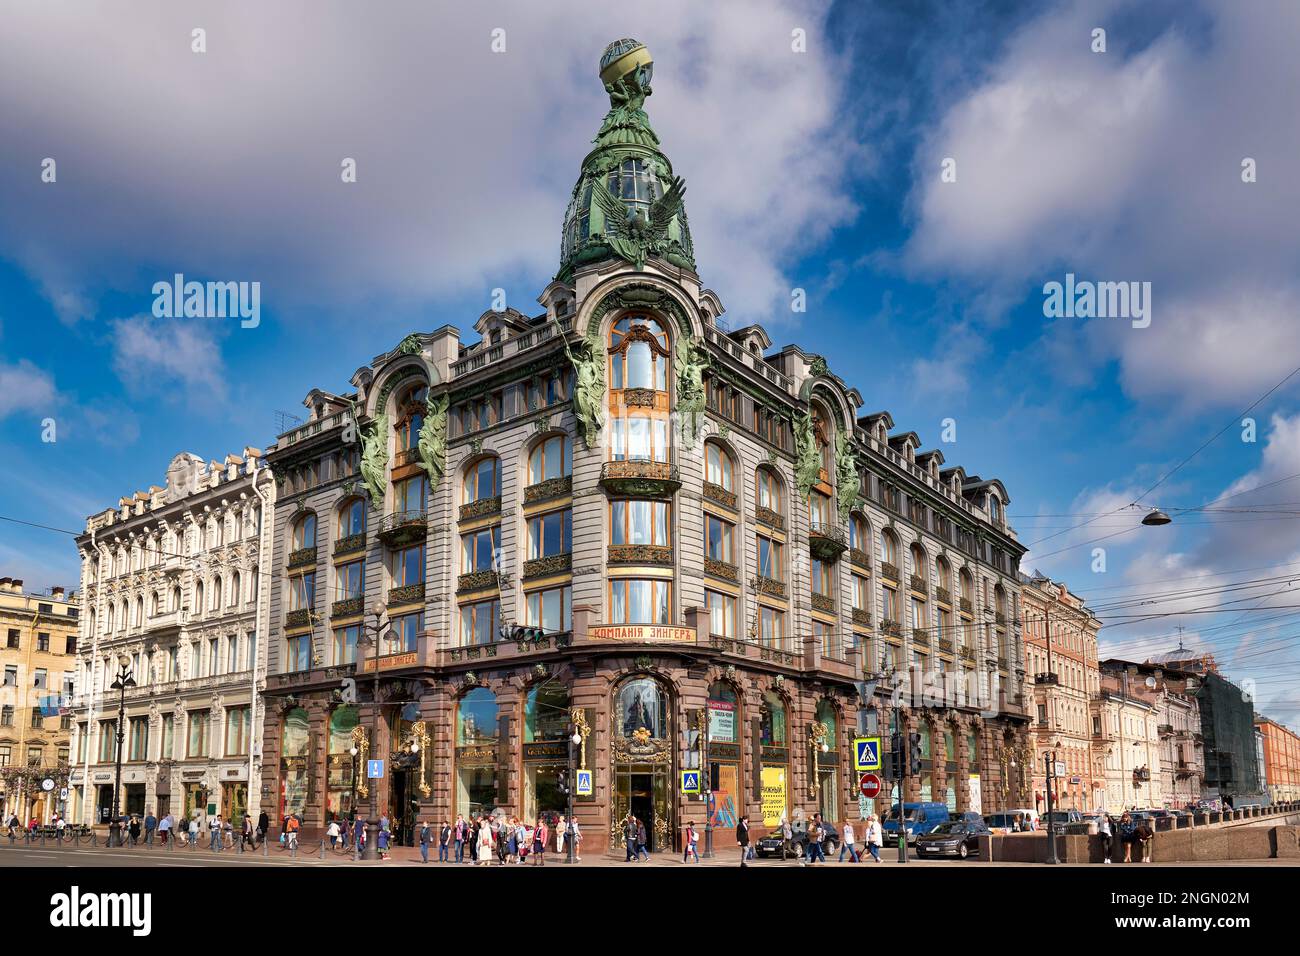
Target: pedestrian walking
column 382, row 843
column 561, row 830
column 1104, row 833
column 689, row 840
column 247, row 838
column 133, row 828
column 426, row 837
column 847, row 845
column 575, row 835
column 214, row 833
column 150, row 825
column 358, row 835
column 444, row 838
column 629, row 839
column 875, row 837
column 460, row 838
column 291, row 829
column 742, row 839
column 332, row 831
column 642, row 841
column 816, row 834
column 164, row 827
column 194, row 830
column 539, row 842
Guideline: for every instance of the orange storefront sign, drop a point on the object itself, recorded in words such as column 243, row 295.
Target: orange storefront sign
column 655, row 633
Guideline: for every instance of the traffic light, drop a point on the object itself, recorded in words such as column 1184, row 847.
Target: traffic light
column 895, row 765
column 914, row 754
column 533, row 635
column 562, row 782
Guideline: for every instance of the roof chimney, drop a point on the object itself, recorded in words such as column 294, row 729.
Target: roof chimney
column 57, row 593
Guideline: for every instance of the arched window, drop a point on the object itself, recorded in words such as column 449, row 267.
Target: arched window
column 767, row 489
column 920, row 564
column 641, row 704
column 176, row 598
column 483, row 479
column 352, row 517
column 234, row 589
column 476, row 719
column 889, row 547
column 945, row 574
column 859, row 533
column 410, row 416
column 546, row 713
column 155, row 606
column 552, row 457
column 216, row 593
column 724, row 714
column 639, row 351
column 304, row 532
column 772, row 720
column 198, row 597
column 718, row 467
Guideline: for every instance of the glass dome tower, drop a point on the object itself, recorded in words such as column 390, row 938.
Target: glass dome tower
column 626, row 203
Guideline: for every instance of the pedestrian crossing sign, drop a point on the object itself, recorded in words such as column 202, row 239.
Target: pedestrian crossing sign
column 583, row 788
column 866, row 754
column 690, row 781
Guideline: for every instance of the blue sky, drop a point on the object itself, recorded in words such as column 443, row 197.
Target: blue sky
column 817, row 170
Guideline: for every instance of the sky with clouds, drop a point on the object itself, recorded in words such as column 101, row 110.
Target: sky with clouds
column 818, row 170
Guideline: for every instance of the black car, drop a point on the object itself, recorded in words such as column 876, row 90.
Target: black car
column 771, row 845
column 1059, row 819
column 959, row 838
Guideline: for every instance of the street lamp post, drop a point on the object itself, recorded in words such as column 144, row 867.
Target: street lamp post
column 123, row 681
column 706, row 780
column 373, row 631
column 1049, row 758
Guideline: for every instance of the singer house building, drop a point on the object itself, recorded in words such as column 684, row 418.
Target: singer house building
column 619, row 554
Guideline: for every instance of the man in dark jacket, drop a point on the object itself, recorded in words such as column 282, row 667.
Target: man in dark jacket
column 263, row 824
column 629, row 839
column 742, row 839
column 426, row 837
column 444, row 838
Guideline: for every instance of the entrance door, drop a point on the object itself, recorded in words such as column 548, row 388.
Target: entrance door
column 645, row 791
column 643, row 806
column 104, row 803
column 405, row 807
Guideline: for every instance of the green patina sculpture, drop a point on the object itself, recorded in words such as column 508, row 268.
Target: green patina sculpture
column 808, row 460
column 634, row 237
column 433, row 438
column 375, row 458
column 691, row 361
column 588, row 361
column 846, row 475
column 411, row 345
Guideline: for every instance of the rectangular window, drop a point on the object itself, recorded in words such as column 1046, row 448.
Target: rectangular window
column 771, row 558
column 38, row 721
column 771, row 629
column 232, row 654
column 408, row 566
column 478, row 622
column 198, row 734
column 822, row 577
column 42, row 642
column 890, row 607
column 479, row 549
column 72, row 644
column 411, row 496
column 13, row 638
column 6, row 754
column 551, row 610
column 237, row 725
column 861, row 593
column 11, row 675
column 719, row 539
column 172, row 672
column 349, row 581
column 408, row 627
column 639, row 522
column 6, row 715
column 639, row 438
column 168, row 746
column 107, row 741
column 819, row 510
column 550, row 533
column 638, row 601
column 139, row 738
column 41, row 678
column 722, row 613
column 345, row 644
column 213, row 658
column 302, row 591
column 297, row 653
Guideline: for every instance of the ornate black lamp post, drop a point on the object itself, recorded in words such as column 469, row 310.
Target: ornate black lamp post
column 374, row 633
column 123, row 681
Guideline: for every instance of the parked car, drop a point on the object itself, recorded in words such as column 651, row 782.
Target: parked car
column 918, row 818
column 959, row 838
column 968, row 816
column 1059, row 819
column 1005, row 822
column 771, row 845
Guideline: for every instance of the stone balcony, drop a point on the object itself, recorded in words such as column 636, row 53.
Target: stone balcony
column 547, row 566
column 721, row 569
column 719, row 495
column 302, row 557
column 826, row 540
column 407, row 594
column 403, row 527
column 350, row 544
column 661, row 555
column 347, row 607
column 888, row 571
column 483, row 508
column 548, row 490
column 640, row 478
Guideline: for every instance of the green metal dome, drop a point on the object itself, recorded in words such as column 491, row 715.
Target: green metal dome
column 626, row 203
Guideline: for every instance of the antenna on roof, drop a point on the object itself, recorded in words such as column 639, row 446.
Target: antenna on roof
column 285, row 421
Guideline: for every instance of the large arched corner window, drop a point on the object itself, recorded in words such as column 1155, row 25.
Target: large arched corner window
column 409, row 419
column 641, row 708
column 482, row 479
column 551, row 457
column 640, row 354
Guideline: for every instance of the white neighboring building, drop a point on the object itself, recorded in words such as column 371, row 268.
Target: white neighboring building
column 173, row 584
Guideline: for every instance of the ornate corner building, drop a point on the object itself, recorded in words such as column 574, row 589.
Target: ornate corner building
column 38, row 646
column 173, row 597
column 721, row 563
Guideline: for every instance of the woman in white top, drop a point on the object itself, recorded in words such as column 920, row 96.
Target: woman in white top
column 485, row 842
column 874, row 837
column 847, row 844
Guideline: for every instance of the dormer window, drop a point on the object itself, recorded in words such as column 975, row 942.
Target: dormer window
column 995, row 509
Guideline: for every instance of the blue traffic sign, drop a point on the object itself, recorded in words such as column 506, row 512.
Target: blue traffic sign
column 866, row 754
column 584, row 788
column 690, row 781
column 374, row 769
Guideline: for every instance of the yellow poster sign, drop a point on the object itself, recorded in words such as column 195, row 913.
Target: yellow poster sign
column 774, row 795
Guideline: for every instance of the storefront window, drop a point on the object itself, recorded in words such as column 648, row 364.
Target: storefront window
column 546, row 714
column 340, row 783
column 476, row 740
column 723, row 714
column 641, row 703
column 772, row 721
column 476, row 719
column 295, row 762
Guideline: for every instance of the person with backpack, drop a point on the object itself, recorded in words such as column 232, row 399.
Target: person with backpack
column 689, row 839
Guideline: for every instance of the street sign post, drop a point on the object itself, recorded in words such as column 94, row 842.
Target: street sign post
column 869, row 785
column 374, row 769
column 866, row 754
column 583, row 788
column 1060, row 768
column 691, row 781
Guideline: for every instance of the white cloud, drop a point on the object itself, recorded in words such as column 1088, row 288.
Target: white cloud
column 158, row 356
column 225, row 165
column 25, row 387
column 1127, row 166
